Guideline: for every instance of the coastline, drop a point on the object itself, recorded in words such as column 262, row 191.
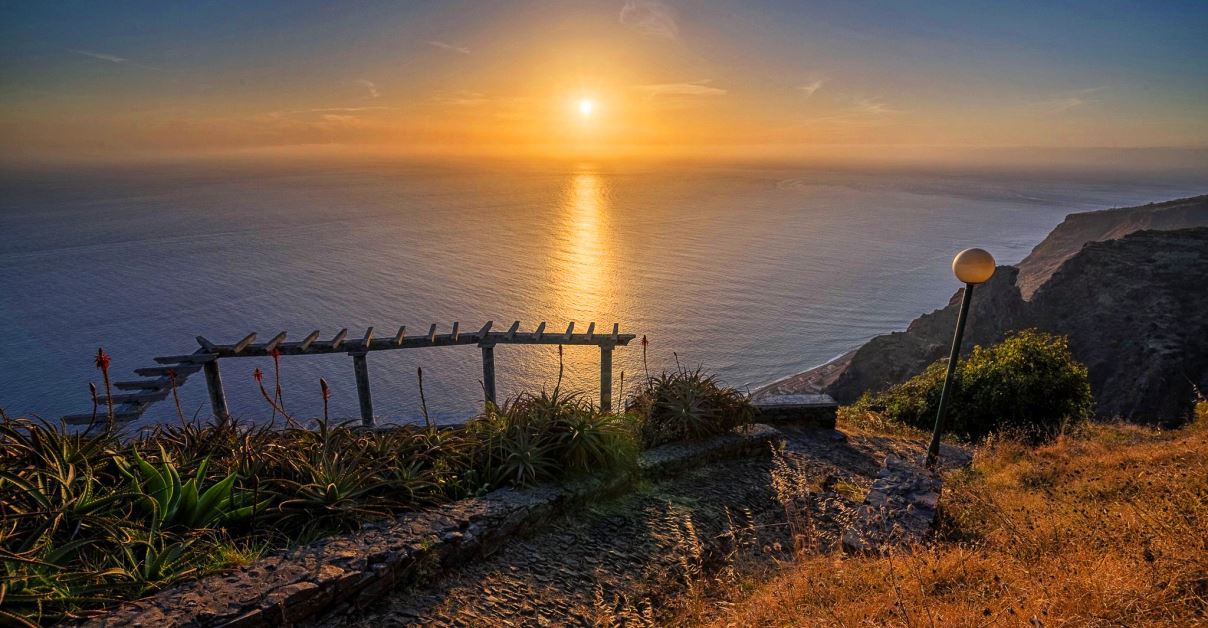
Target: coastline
column 811, row 381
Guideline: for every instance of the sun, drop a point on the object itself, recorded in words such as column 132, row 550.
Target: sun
column 586, row 107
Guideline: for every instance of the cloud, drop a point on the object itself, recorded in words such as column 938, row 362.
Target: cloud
column 99, row 55
column 1065, row 101
column 462, row 98
column 809, row 88
column 371, row 86
column 652, row 18
column 694, row 88
column 871, row 106
column 450, row 47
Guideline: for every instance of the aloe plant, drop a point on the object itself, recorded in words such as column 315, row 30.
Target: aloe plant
column 173, row 503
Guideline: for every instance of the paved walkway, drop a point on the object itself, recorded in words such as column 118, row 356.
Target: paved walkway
column 629, row 560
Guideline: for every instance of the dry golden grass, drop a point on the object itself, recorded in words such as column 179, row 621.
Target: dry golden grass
column 1108, row 526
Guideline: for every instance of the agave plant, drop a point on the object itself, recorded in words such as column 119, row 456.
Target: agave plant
column 172, row 503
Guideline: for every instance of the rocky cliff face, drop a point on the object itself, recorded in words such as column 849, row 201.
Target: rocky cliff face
column 1135, row 310
column 1110, row 224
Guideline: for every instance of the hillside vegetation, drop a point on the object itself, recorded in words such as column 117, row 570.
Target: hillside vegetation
column 1102, row 526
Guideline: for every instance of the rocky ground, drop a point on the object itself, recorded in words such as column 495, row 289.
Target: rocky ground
column 636, row 559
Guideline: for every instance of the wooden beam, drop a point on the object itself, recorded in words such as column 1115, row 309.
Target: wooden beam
column 242, row 344
column 616, row 331
column 569, row 331
column 606, row 378
column 400, row 336
column 486, row 329
column 189, row 358
column 307, row 341
column 206, row 344
column 511, row 334
column 339, row 339
column 488, row 374
column 361, row 368
column 217, row 396
column 162, row 371
column 145, row 384
column 540, row 331
column 432, row 334
column 591, row 330
column 272, row 344
column 453, row 335
column 367, row 339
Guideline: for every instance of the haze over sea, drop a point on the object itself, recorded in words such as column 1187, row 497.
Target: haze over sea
column 756, row 272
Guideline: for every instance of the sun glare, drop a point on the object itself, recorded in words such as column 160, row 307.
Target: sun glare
column 586, row 107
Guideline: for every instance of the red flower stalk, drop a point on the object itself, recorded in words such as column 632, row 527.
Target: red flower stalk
column 95, row 402
column 258, row 375
column 326, row 395
column 276, row 353
column 102, row 362
column 180, row 413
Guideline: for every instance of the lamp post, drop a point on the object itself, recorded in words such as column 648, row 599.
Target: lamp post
column 972, row 266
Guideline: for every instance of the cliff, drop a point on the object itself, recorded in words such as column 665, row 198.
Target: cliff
column 1134, row 309
column 1109, row 224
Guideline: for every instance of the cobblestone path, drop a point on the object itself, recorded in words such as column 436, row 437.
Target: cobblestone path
column 630, row 560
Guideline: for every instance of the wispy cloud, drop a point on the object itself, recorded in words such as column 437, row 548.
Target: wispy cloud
column 693, row 88
column 462, row 98
column 1067, row 100
column 103, row 56
column 809, row 88
column 871, row 106
column 652, row 18
column 371, row 86
column 326, row 111
column 450, row 47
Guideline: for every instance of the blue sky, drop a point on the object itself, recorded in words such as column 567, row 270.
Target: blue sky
column 237, row 74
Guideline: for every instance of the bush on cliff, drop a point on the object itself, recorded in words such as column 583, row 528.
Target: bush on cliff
column 1029, row 383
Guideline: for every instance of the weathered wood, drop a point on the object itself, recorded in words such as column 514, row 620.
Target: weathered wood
column 206, row 344
column 367, row 339
column 616, row 331
column 432, row 334
column 360, row 366
column 197, row 358
column 270, row 345
column 144, row 384
column 591, row 330
column 154, row 395
column 180, row 369
column 488, row 373
column 569, row 331
column 214, row 384
column 309, row 340
column 606, row 378
column 402, row 333
column 540, row 331
column 511, row 333
column 453, row 336
column 242, row 344
column 486, row 329
column 339, row 339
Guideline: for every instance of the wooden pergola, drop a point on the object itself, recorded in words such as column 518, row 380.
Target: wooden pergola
column 172, row 371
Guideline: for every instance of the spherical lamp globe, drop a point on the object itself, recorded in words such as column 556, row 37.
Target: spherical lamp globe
column 973, row 266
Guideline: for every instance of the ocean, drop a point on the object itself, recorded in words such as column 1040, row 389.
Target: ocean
column 753, row 271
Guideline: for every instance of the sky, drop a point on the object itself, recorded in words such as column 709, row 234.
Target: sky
column 681, row 77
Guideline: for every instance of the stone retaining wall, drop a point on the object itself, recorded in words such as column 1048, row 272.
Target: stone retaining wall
column 352, row 569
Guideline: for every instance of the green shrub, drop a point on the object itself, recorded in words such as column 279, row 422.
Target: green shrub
column 1029, row 383
column 687, row 404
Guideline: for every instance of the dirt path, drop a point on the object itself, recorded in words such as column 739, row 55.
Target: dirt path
column 632, row 560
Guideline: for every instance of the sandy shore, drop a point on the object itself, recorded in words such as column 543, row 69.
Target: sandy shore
column 811, row 382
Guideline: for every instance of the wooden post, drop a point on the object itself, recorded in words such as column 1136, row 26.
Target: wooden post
column 606, row 377
column 214, row 384
column 488, row 373
column 361, row 367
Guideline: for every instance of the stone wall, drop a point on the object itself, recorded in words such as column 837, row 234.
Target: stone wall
column 352, row 569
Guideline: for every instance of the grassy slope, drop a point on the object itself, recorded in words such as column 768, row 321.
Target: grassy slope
column 1105, row 527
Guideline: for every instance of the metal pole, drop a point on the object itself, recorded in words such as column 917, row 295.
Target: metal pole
column 488, row 373
column 360, row 367
column 214, row 384
column 934, row 448
column 605, row 378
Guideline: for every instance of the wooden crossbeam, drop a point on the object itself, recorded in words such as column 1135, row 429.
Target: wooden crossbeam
column 453, row 335
column 190, row 358
column 569, row 331
column 339, row 339
column 540, row 331
column 307, row 341
column 181, row 369
column 368, row 339
column 247, row 340
column 616, row 331
column 402, row 334
column 591, row 330
column 486, row 329
column 272, row 344
column 432, row 334
column 511, row 333
column 207, row 345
